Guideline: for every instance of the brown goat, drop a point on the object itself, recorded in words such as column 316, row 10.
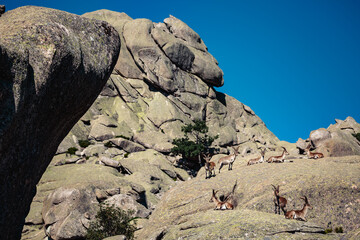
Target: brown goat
column 299, row 214
column 221, row 205
column 313, row 155
column 209, row 166
column 280, row 202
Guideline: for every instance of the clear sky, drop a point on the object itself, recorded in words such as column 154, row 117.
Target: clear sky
column 295, row 63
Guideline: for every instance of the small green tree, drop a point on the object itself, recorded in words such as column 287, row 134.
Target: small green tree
column 195, row 141
column 111, row 221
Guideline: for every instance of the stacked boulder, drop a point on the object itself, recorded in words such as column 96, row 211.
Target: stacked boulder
column 336, row 141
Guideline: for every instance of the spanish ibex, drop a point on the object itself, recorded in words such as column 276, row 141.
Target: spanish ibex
column 258, row 159
column 228, row 202
column 228, row 160
column 280, row 202
column 299, row 214
column 278, row 159
column 313, row 155
column 209, row 166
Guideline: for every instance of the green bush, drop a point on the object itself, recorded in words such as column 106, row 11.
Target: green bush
column 109, row 144
column 195, row 141
column 84, row 143
column 72, row 150
column 328, row 230
column 339, row 230
column 111, row 221
column 126, row 155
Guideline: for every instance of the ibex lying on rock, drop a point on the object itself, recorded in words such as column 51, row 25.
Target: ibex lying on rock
column 299, row 214
column 259, row 159
column 314, row 155
column 228, row 202
column 278, row 159
column 228, row 160
column 280, row 202
column 209, row 166
column 220, row 205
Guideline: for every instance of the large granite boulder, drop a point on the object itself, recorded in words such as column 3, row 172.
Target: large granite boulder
column 335, row 141
column 53, row 65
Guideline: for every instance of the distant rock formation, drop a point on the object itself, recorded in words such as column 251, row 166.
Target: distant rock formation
column 335, row 141
column 53, row 65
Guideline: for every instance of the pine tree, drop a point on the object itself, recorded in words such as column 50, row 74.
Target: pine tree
column 195, row 141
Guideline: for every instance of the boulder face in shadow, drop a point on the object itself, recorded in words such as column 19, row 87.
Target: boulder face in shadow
column 53, row 65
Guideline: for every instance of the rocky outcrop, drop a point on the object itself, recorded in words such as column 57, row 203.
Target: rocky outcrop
column 337, row 140
column 164, row 78
column 331, row 185
column 52, row 66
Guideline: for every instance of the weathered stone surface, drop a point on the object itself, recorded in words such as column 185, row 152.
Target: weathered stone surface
column 319, row 135
column 185, row 212
column 125, row 64
column 94, row 150
column 104, row 128
column 335, row 141
column 127, row 145
column 87, row 179
column 109, row 162
column 127, row 203
column 53, row 65
column 183, row 31
column 154, row 140
column 156, row 112
column 302, row 144
column 118, row 237
column 67, row 212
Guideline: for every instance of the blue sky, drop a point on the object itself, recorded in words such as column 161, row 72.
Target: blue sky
column 295, row 63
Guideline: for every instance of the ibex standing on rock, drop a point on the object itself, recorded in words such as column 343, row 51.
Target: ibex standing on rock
column 299, row 214
column 280, row 202
column 259, row 159
column 209, row 166
column 278, row 159
column 228, row 160
column 314, row 155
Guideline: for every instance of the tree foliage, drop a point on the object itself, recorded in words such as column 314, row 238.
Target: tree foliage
column 195, row 140
column 111, row 221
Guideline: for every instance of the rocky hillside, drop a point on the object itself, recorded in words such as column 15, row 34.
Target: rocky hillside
column 331, row 184
column 164, row 78
column 119, row 152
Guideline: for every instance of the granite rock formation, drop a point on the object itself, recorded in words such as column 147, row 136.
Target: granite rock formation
column 331, row 184
column 52, row 67
column 164, row 78
column 335, row 141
